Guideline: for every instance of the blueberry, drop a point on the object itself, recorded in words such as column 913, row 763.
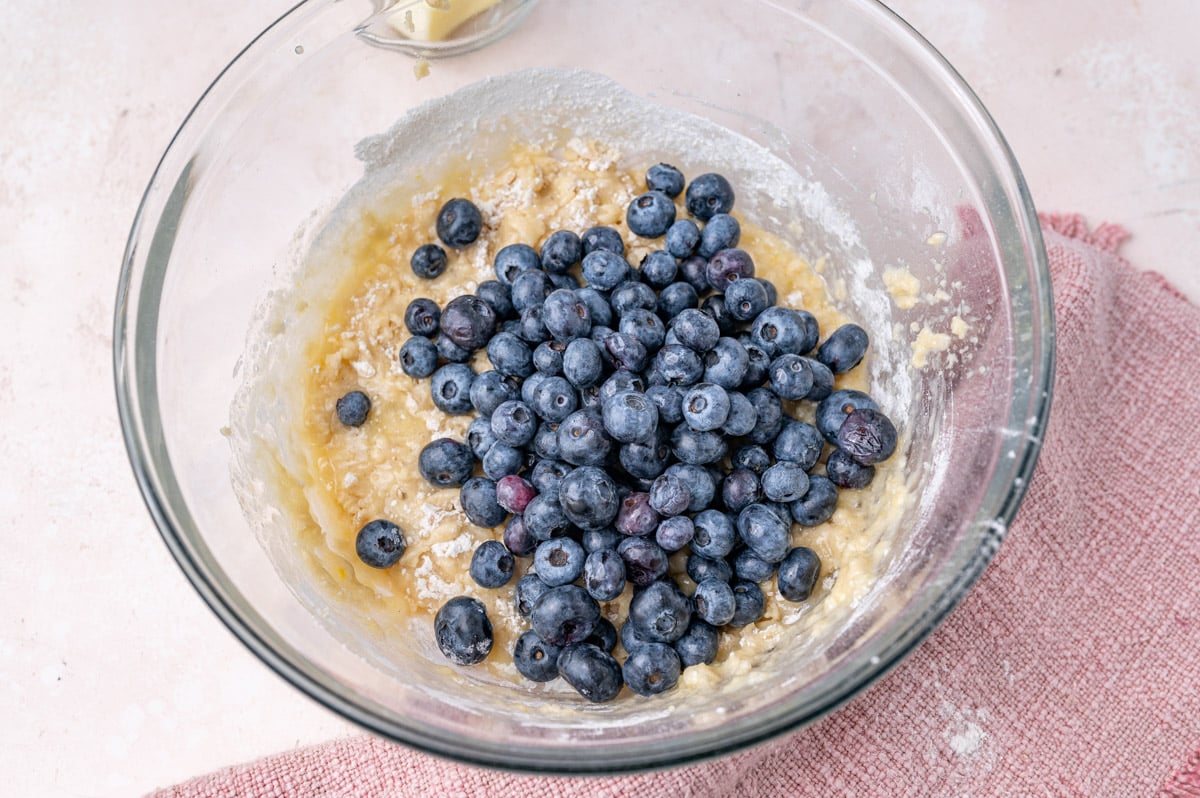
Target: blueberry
column 740, row 489
column 498, row 296
column 652, row 669
column 764, row 532
column 597, row 539
column 517, row 537
column 451, row 388
column 548, row 358
column 833, row 410
column 514, row 493
column 463, row 631
column 626, row 352
column 791, row 377
column 726, row 363
column 798, row 573
column 674, row 533
column 676, row 298
column 696, row 330
column 478, row 499
column 669, row 495
column 558, row 561
column 510, row 355
column 645, row 327
column 459, row 223
column 533, row 325
column 469, row 322
column 715, row 534
column 513, row 261
column 535, row 659
column 728, row 266
column 598, row 307
column 770, row 416
column 491, row 564
column 582, row 364
column 822, row 381
column 699, row 483
column 697, row 448
column 659, row 267
column 700, row 568
column 561, row 251
column 545, row 441
column 563, row 615
column 781, row 331
column 745, row 299
column 421, row 317
column 352, row 409
column 636, row 516
column 602, row 238
column 633, row 638
column 629, row 417
column 645, row 460
column 619, row 381
column 529, row 589
column 844, row 348
column 547, row 475
column 780, row 509
column 380, row 544
column 428, row 261
column 604, row 636
column 514, row 423
column 705, row 407
column 544, row 517
column 501, row 460
column 566, row 315
column 698, row 646
column 553, row 399
column 490, row 390
column 599, row 336
column 752, row 568
column 867, row 436
column 479, row 436
column 661, row 612
column 682, row 239
column 757, row 363
column 749, row 603
column 604, row 574
column 784, row 482
column 714, row 602
column 645, row 560
column 772, row 291
column 530, row 289
column 752, row 457
column 742, row 415
column 694, row 272
column 678, row 365
column 418, row 357
column 665, row 178
column 593, row 673
column 445, row 463
column 845, row 472
column 818, row 504
column 650, row 214
column 668, row 399
column 708, row 195
column 798, row 442
column 714, row 306
column 582, row 440
column 588, row 497
column 631, row 295
column 721, row 232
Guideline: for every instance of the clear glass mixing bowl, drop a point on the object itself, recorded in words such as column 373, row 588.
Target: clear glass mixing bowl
column 870, row 117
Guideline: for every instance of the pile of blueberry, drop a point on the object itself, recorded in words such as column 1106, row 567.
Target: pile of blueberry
column 629, row 414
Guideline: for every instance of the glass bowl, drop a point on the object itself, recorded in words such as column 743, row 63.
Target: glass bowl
column 899, row 170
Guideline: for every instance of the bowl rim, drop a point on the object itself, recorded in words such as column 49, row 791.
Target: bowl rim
column 438, row 743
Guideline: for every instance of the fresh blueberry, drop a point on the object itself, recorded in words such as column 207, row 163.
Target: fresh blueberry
column 566, row 315
column 633, row 638
column 631, row 295
column 697, row 448
column 740, row 489
column 798, row 573
column 428, row 261
column 626, row 352
column 535, row 659
column 547, row 475
column 752, row 457
column 728, row 266
column 514, row 493
column 650, row 214
column 833, row 410
column 652, row 669
column 742, row 415
column 867, row 436
column 598, row 307
column 749, row 566
column 694, row 272
column 669, row 495
column 780, row 509
column 696, row 330
column 602, row 238
column 445, row 463
column 816, row 506
column 629, row 417
column 604, row 574
column 706, row 407
column 548, row 357
column 597, row 539
column 714, row 306
column 498, row 296
column 490, row 390
column 659, row 267
column 544, row 517
column 668, row 399
column 781, row 331
column 545, row 441
column 352, row 409
column 700, row 568
column 593, row 673
column 582, row 440
column 749, row 603
column 421, row 317
column 567, row 281
column 529, row 589
column 510, row 325
column 721, row 232
column 582, row 364
column 845, row 472
column 418, row 357
column 757, row 363
column 479, row 436
column 463, row 631
column 561, row 251
column 661, row 612
column 599, row 337
column 588, row 497
column 491, row 564
column 784, row 482
column 699, row 482
column 822, row 381
column 674, row 533
column 844, row 348
column 798, row 442
column 698, row 646
column 665, row 178
column 681, row 241
column 517, row 538
column 510, row 355
column 513, row 261
column 645, row 560
column 635, row 516
column 678, row 365
column 764, row 532
column 715, row 534
column 533, row 325
column 469, row 322
column 791, row 377
column 604, row 636
column 770, row 416
column 558, row 561
column 451, row 388
column 563, row 615
column 502, row 460
column 676, row 298
column 620, row 381
column 645, row 327
column 514, row 423
column 726, row 363
column 772, row 291
column 708, row 195
column 530, row 289
column 645, row 460
column 745, row 299
column 714, row 602
column 459, row 223
column 380, row 544
column 478, row 499
column 553, row 399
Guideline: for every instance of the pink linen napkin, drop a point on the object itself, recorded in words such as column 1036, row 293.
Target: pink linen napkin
column 1072, row 668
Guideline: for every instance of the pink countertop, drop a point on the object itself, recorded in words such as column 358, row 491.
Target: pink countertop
column 114, row 677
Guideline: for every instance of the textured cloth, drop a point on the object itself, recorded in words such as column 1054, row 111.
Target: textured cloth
column 1073, row 666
